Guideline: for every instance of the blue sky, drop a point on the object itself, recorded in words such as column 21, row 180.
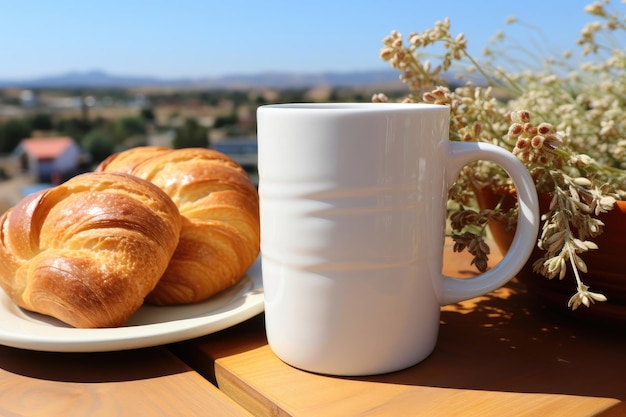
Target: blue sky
column 203, row 38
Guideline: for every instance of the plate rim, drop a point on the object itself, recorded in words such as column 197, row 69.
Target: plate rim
column 137, row 335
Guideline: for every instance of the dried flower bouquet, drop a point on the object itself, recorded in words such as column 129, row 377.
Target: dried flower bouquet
column 564, row 118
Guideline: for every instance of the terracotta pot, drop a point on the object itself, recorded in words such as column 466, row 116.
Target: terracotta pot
column 606, row 265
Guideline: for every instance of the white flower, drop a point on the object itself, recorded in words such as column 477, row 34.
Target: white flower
column 583, row 296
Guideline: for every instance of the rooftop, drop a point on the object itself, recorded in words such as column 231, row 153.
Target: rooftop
column 46, row 148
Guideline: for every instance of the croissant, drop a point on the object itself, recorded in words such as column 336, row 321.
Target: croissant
column 88, row 251
column 219, row 204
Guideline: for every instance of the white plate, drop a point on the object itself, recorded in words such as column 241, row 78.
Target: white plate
column 149, row 326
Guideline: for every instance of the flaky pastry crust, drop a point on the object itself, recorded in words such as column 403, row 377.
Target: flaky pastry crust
column 88, row 251
column 220, row 208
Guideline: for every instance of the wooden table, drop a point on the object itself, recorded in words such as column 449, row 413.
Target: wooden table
column 497, row 355
column 143, row 382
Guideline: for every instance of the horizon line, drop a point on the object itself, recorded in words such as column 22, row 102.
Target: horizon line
column 107, row 72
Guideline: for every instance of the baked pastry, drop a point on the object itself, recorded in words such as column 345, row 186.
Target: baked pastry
column 219, row 204
column 88, row 251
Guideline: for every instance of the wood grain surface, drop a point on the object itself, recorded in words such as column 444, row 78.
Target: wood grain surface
column 145, row 382
column 501, row 355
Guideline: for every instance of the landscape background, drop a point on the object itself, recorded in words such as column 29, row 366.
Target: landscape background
column 106, row 113
column 119, row 74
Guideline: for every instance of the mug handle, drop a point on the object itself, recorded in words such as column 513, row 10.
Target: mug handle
column 459, row 155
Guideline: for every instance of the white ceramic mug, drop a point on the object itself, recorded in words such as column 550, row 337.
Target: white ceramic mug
column 353, row 201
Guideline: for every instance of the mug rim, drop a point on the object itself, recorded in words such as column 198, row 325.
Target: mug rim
column 352, row 106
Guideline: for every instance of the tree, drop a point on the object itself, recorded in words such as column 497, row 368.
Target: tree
column 74, row 127
column 129, row 126
column 147, row 114
column 191, row 135
column 226, row 120
column 12, row 133
column 42, row 121
column 98, row 144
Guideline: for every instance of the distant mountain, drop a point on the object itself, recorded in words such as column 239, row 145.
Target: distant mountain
column 97, row 79
column 100, row 79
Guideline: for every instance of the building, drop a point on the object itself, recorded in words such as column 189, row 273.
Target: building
column 49, row 160
column 242, row 150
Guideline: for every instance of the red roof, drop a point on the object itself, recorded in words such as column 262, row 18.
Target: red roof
column 46, row 148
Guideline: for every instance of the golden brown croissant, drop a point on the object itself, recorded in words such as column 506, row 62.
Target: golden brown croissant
column 220, row 234
column 89, row 250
